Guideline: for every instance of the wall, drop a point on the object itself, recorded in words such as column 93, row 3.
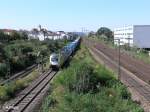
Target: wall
column 142, row 36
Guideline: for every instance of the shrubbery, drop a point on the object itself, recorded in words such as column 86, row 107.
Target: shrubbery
column 79, row 79
column 87, row 87
column 14, row 36
column 3, row 69
column 9, row 90
column 20, row 54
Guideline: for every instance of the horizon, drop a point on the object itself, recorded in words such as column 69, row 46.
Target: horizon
column 73, row 16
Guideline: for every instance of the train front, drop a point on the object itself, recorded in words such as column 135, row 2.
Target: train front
column 54, row 61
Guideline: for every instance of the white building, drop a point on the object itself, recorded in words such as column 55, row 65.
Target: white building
column 136, row 35
column 36, row 34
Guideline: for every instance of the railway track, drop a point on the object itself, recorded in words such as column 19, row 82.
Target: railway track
column 19, row 75
column 129, row 79
column 138, row 67
column 25, row 99
column 140, row 70
column 130, row 75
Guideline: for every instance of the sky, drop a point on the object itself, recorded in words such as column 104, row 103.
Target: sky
column 73, row 15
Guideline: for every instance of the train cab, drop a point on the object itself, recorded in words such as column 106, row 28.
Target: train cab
column 54, row 60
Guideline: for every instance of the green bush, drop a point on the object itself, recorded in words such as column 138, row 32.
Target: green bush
column 9, row 90
column 27, row 49
column 17, row 64
column 99, row 102
column 105, row 76
column 121, row 90
column 84, row 87
column 3, row 93
column 78, row 78
column 19, row 84
column 3, row 69
column 22, row 53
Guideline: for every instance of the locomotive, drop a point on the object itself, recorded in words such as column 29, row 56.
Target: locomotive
column 58, row 60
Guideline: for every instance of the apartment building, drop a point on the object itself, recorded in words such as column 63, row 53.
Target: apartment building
column 136, row 35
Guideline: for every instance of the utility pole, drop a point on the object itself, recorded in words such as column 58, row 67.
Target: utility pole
column 84, row 30
column 119, row 57
column 129, row 42
column 119, row 72
column 38, row 60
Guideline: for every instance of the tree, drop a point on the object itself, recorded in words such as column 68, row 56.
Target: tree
column 2, row 36
column 91, row 34
column 44, row 31
column 3, row 69
column 103, row 31
column 24, row 35
column 35, row 32
column 15, row 36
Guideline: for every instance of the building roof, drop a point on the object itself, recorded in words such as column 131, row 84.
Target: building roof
column 7, row 30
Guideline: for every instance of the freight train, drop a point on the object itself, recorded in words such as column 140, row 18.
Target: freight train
column 58, row 60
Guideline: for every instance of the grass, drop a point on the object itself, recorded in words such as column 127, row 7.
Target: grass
column 142, row 55
column 101, row 39
column 10, row 89
column 86, row 86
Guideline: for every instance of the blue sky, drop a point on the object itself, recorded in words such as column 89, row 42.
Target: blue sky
column 72, row 15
